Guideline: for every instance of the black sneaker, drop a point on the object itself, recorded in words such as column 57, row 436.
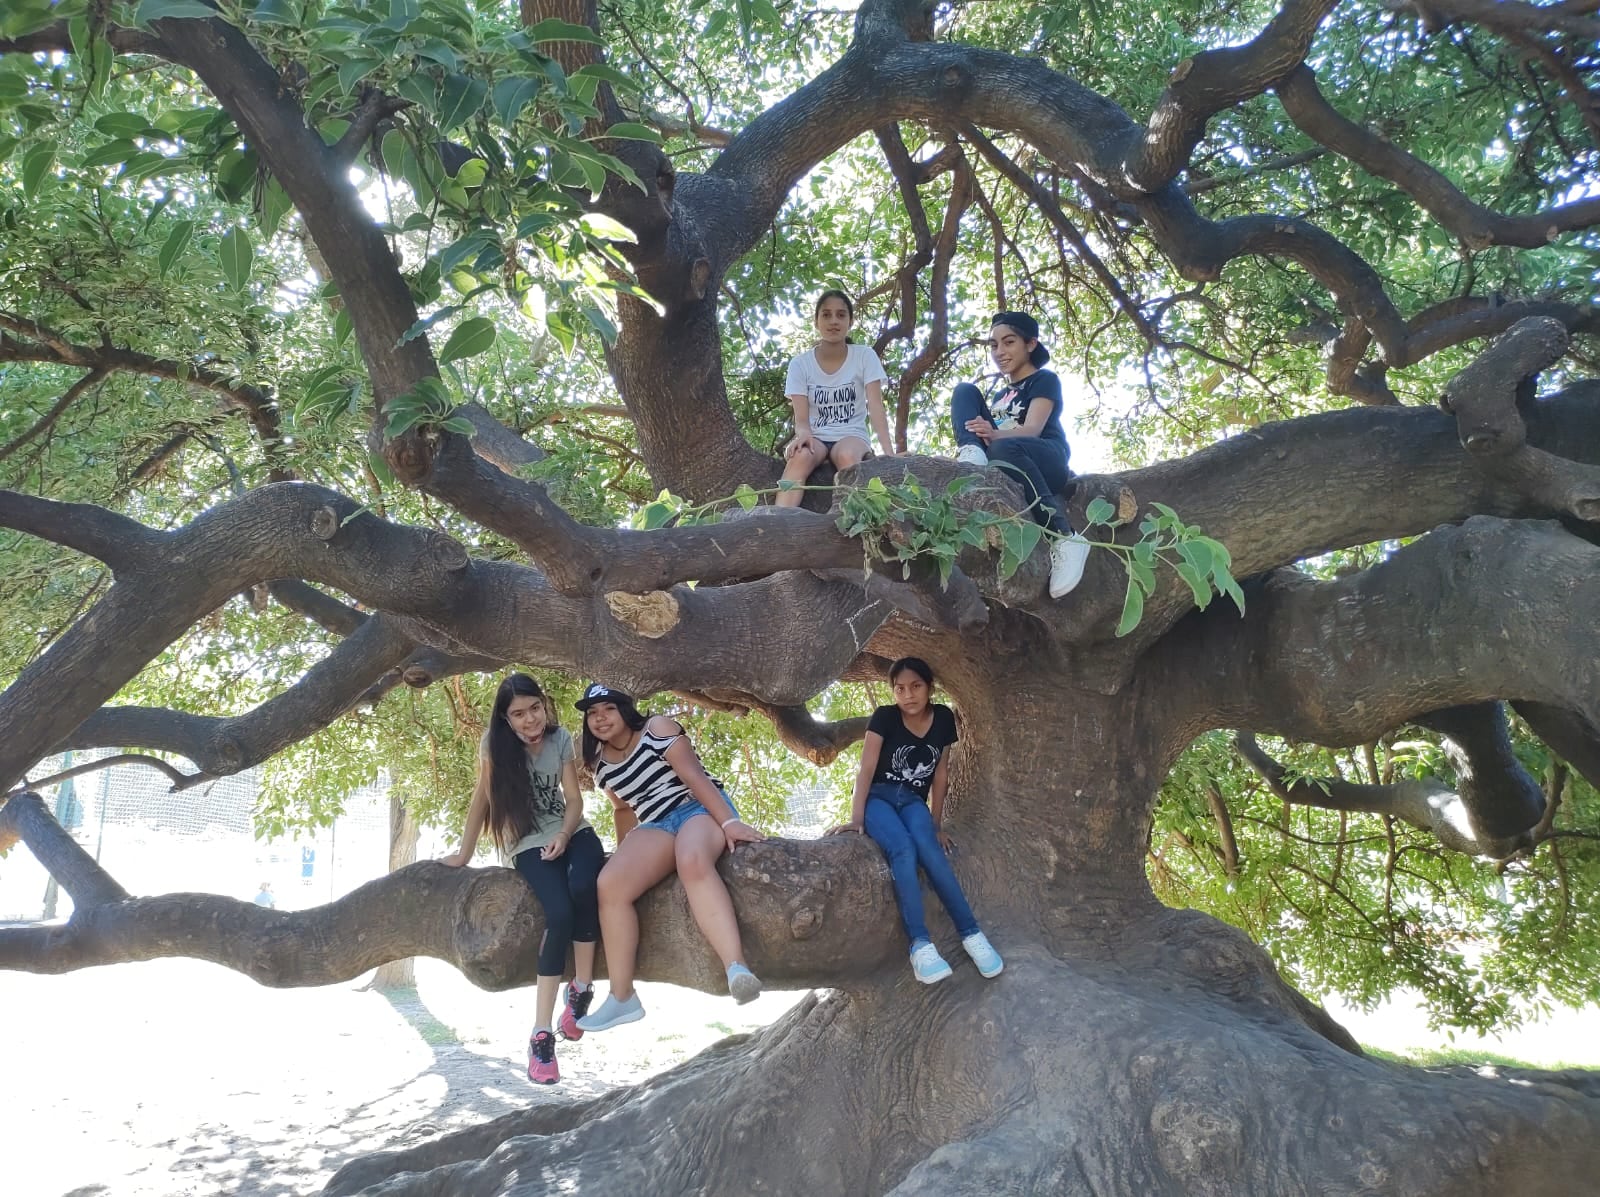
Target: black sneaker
column 577, row 1005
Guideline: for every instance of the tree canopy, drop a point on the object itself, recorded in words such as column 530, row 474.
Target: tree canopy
column 352, row 352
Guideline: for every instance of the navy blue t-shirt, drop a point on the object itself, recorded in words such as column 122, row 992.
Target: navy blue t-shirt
column 1009, row 404
column 908, row 759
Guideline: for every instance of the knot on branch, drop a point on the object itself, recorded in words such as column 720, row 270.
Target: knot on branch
column 417, row 677
column 448, row 553
column 651, row 615
column 325, row 523
column 1488, row 398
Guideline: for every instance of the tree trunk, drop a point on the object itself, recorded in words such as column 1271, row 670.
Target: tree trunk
column 403, row 835
column 1126, row 1049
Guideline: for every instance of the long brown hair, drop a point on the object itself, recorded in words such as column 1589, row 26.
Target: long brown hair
column 510, row 792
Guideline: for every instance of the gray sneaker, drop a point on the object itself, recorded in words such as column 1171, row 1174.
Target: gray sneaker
column 612, row 1013
column 743, row 984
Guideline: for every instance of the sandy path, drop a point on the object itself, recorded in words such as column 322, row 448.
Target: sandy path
column 182, row 1079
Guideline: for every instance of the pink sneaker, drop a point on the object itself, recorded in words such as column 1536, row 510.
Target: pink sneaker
column 542, row 1068
column 574, row 1008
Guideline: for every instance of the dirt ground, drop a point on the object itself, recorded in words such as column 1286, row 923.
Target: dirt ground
column 181, row 1079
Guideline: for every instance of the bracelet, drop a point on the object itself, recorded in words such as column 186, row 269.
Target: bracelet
column 735, row 819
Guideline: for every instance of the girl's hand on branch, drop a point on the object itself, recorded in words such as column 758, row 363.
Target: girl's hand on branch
column 455, row 860
column 739, row 832
column 844, row 829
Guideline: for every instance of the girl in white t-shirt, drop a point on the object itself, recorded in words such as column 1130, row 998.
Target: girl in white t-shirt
column 834, row 387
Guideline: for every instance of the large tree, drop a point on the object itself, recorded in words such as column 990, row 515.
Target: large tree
column 1216, row 252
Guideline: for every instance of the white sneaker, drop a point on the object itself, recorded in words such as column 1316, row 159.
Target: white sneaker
column 1067, row 558
column 972, row 455
column 613, row 1013
column 927, row 965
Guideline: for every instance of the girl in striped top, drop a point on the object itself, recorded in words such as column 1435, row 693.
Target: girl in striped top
column 671, row 816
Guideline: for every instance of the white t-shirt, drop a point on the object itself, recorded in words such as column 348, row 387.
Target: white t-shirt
column 838, row 400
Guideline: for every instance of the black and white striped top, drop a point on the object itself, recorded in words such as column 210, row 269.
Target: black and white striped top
column 644, row 780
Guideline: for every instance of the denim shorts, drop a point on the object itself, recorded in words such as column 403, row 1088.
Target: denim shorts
column 674, row 819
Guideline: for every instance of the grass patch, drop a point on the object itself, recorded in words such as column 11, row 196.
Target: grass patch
column 1439, row 1057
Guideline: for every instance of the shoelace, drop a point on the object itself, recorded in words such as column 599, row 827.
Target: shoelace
column 580, row 1001
column 544, row 1048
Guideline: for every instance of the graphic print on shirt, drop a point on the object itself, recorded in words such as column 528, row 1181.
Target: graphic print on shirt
column 913, row 765
column 833, row 405
column 1007, row 409
column 548, row 801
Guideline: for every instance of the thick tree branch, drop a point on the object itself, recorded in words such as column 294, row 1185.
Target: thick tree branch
column 25, row 817
column 1479, row 227
column 1512, row 608
column 816, row 912
column 1488, row 397
column 223, row 746
column 1212, row 80
column 710, row 637
column 83, row 527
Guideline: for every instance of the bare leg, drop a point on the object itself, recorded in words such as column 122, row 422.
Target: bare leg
column 544, row 1003
column 849, row 451
column 699, row 843
column 643, row 858
column 797, row 470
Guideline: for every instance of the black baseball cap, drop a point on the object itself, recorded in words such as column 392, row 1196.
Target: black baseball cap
column 600, row 692
column 1028, row 329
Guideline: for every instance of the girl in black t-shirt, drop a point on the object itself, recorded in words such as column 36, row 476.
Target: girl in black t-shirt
column 1019, row 429
column 899, row 802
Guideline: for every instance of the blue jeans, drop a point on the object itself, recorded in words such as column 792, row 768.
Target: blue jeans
column 1040, row 463
column 899, row 822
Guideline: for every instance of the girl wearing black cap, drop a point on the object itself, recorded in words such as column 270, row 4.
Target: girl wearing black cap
column 1020, row 430
column 528, row 796
column 671, row 816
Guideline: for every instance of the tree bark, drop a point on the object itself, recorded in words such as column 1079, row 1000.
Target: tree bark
column 404, row 832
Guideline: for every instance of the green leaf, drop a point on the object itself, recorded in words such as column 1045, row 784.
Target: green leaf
column 1197, row 583
column 459, row 425
column 553, row 29
column 459, row 100
column 35, row 164
column 1229, row 587
column 171, row 10
column 633, row 131
column 113, row 151
column 275, row 12
column 1132, row 610
column 354, row 71
column 470, row 338
column 745, row 496
column 177, row 241
column 1099, row 511
column 1198, row 555
column 607, row 73
column 237, row 253
column 511, row 96
column 597, row 224
column 381, row 471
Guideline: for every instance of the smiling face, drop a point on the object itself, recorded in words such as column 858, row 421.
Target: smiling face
column 1010, row 350
column 528, row 718
column 833, row 320
column 605, row 722
column 911, row 693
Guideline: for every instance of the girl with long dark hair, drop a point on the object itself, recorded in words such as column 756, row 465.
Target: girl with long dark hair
column 671, row 817
column 528, row 796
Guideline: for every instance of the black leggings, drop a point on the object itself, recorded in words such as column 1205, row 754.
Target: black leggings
column 565, row 888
